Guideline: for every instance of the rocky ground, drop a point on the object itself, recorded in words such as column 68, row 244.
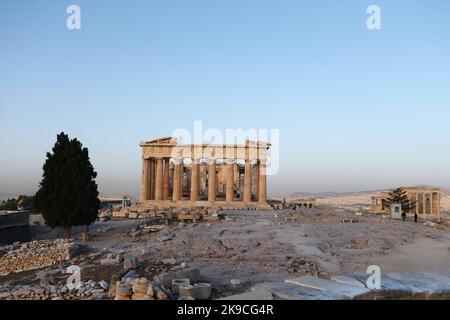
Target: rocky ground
column 252, row 246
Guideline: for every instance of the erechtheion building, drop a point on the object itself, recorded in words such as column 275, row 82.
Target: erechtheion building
column 187, row 175
column 427, row 201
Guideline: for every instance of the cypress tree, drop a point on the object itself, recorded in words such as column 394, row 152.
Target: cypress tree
column 400, row 196
column 68, row 194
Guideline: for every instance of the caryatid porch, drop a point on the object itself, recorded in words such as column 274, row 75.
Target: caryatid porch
column 204, row 175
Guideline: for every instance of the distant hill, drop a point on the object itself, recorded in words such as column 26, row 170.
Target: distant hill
column 329, row 194
column 359, row 197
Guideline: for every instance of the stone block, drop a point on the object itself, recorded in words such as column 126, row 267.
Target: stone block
column 140, row 286
column 165, row 279
column 287, row 291
column 186, row 290
column 349, row 281
column 347, row 290
column 251, row 296
column 202, row 291
column 130, row 262
column 176, row 283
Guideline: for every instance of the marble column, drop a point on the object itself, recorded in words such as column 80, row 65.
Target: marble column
column 152, row 179
column 229, row 194
column 166, row 179
column 247, row 181
column 416, row 203
column 424, row 203
column 145, row 183
column 438, row 206
column 262, row 191
column 177, row 180
column 257, row 180
column 159, row 179
column 212, row 180
column 431, row 202
column 195, row 180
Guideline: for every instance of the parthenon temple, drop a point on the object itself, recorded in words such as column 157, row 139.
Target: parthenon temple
column 226, row 176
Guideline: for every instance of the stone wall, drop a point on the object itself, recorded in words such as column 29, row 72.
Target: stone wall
column 87, row 290
column 34, row 255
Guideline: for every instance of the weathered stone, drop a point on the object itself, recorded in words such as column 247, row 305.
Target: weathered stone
column 286, row 291
column 347, row 290
column 95, row 291
column 104, row 285
column 140, row 286
column 176, row 283
column 120, row 258
column 113, row 282
column 4, row 295
column 186, row 290
column 131, row 275
column 124, row 290
column 35, row 255
column 251, row 296
column 150, row 290
column 165, row 238
column 171, row 262
column 193, row 274
column 130, row 262
column 390, row 288
column 108, row 261
column 160, row 295
column 202, row 291
column 349, row 281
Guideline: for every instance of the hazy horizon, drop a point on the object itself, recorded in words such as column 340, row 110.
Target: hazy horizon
column 356, row 109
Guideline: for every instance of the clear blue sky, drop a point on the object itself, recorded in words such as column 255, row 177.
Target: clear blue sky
column 356, row 109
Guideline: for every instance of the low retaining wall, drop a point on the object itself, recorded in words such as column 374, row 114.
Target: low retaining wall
column 34, row 255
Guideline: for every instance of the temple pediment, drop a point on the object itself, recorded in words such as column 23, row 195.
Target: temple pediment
column 170, row 141
column 257, row 144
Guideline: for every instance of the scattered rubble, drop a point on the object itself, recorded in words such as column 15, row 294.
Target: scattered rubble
column 165, row 238
column 138, row 289
column 359, row 244
column 304, row 267
column 149, row 211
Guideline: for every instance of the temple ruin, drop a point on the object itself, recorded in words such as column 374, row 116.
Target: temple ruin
column 302, row 203
column 185, row 175
column 427, row 201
